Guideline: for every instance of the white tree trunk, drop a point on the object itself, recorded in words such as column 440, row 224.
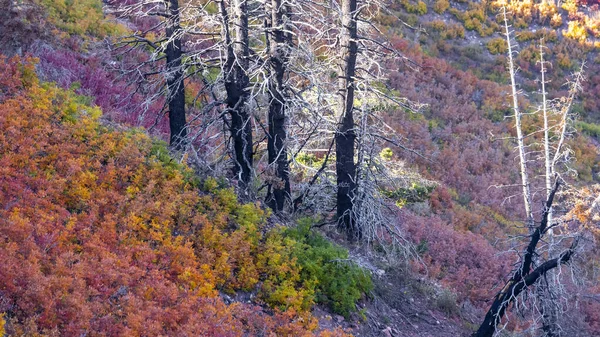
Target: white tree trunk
column 520, row 140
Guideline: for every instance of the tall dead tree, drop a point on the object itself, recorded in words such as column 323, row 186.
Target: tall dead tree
column 279, row 43
column 520, row 138
column 236, row 81
column 525, row 275
column 165, row 69
column 530, row 269
column 345, row 135
column 175, row 75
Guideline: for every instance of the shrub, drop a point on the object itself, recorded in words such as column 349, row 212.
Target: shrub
column 576, row 31
column 547, row 11
column 556, row 20
column 326, row 275
column 453, row 257
column 549, row 35
column 81, row 197
column 589, row 129
column 437, row 25
column 2, row 325
column 440, row 6
column 497, row 46
column 419, row 8
column 447, row 302
column 472, row 24
column 526, row 36
column 408, row 195
column 564, row 62
column 81, row 17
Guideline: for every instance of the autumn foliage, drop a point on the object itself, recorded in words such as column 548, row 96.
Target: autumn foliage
column 102, row 233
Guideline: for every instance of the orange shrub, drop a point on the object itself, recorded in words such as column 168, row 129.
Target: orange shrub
column 102, row 231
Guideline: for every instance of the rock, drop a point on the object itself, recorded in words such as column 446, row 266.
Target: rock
column 339, row 318
column 380, row 272
column 387, row 332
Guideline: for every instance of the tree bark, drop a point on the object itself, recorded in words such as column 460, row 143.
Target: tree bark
column 236, row 85
column 512, row 289
column 345, row 136
column 175, row 74
column 279, row 43
column 523, row 277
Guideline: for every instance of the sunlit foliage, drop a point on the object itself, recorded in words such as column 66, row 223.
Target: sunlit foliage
column 102, row 231
column 81, row 17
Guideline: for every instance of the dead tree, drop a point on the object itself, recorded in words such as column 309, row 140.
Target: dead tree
column 236, row 81
column 345, row 136
column 279, row 44
column 175, row 75
column 525, row 275
column 169, row 78
column 520, row 138
column 529, row 269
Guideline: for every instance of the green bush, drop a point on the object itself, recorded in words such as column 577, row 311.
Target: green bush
column 589, row 129
column 326, row 274
column 497, row 46
column 419, row 8
column 409, row 195
column 440, row 6
column 81, row 17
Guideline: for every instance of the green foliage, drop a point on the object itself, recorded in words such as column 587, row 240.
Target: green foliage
column 589, row 129
column 326, row 275
column 440, row 6
column 309, row 159
column 386, row 154
column 475, row 19
column 526, row 36
column 419, row 8
column 447, row 32
column 408, row 195
column 497, row 46
column 81, row 17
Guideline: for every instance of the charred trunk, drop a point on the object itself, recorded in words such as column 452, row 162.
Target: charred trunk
column 175, row 75
column 279, row 43
column 345, row 136
column 236, row 86
column 524, row 277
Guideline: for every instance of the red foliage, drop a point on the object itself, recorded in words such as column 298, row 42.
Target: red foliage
column 462, row 261
column 100, row 235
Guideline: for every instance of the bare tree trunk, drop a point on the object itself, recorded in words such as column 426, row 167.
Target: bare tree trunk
column 236, row 85
column 549, row 315
column 279, row 40
column 524, row 277
column 513, row 289
column 547, row 161
column 175, row 74
column 345, row 135
column 520, row 139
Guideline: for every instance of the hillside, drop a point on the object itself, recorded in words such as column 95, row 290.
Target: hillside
column 108, row 230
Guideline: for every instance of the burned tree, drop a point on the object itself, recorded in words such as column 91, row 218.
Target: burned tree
column 175, row 75
column 345, row 136
column 279, row 43
column 236, row 81
column 525, row 275
column 165, row 68
column 540, row 256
